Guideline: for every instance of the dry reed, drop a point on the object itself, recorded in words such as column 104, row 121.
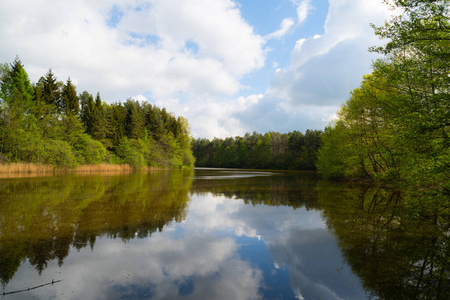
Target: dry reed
column 28, row 168
column 14, row 170
column 103, row 168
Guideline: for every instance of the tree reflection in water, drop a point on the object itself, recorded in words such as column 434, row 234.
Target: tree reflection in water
column 42, row 219
column 397, row 244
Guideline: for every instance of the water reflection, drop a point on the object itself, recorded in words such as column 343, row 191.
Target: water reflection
column 398, row 245
column 42, row 218
column 219, row 235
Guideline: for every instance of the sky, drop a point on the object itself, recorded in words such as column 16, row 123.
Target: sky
column 227, row 66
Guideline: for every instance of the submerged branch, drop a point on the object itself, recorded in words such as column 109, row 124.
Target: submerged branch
column 32, row 288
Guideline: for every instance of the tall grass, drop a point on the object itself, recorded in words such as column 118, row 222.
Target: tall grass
column 15, row 168
column 103, row 168
column 11, row 170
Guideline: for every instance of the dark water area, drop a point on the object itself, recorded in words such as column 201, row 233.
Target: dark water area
column 219, row 234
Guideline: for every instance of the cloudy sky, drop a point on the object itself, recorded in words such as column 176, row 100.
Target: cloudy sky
column 228, row 66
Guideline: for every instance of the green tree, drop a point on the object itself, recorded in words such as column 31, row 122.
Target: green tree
column 135, row 119
column 130, row 154
column 119, row 114
column 16, row 120
column 87, row 111
column 154, row 122
column 419, row 50
column 398, row 119
column 89, row 151
column 59, row 153
column 16, row 88
column 51, row 92
column 48, row 122
column 70, row 99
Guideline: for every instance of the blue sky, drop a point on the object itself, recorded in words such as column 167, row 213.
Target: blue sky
column 228, row 66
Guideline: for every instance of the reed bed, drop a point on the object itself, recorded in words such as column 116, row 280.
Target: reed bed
column 27, row 168
column 16, row 170
column 103, row 168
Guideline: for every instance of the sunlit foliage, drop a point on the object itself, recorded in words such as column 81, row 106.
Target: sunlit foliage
column 395, row 126
column 48, row 123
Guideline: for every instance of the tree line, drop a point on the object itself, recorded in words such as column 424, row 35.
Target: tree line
column 49, row 123
column 395, row 125
column 272, row 150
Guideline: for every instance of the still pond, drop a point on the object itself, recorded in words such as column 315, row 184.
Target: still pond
column 218, row 234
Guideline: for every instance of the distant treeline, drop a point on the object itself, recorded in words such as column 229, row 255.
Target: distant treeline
column 272, row 150
column 49, row 123
column 395, row 127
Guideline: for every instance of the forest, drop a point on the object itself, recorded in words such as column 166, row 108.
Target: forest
column 49, row 123
column 394, row 128
column 272, row 150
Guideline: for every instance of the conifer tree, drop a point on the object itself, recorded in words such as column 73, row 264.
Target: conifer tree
column 70, row 99
column 50, row 89
column 119, row 114
column 86, row 110
column 98, row 101
column 16, row 87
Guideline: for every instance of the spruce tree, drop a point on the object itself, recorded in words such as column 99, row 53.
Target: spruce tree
column 16, row 87
column 70, row 99
column 51, row 92
column 86, row 108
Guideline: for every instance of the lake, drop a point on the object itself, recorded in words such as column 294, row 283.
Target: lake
column 219, row 234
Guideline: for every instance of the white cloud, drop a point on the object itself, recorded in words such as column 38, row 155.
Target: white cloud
column 145, row 50
column 140, row 98
column 323, row 70
column 174, row 22
column 285, row 26
column 246, row 102
column 214, row 117
column 303, row 10
column 191, row 56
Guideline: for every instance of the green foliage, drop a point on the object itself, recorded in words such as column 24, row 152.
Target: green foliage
column 89, row 150
column 16, row 90
column 395, row 126
column 332, row 157
column 70, row 98
column 272, row 150
column 51, row 92
column 59, row 153
column 49, row 123
column 129, row 154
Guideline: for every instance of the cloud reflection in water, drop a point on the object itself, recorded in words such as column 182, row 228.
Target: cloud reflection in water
column 223, row 249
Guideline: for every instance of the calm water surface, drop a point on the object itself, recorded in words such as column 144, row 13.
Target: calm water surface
column 218, row 234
